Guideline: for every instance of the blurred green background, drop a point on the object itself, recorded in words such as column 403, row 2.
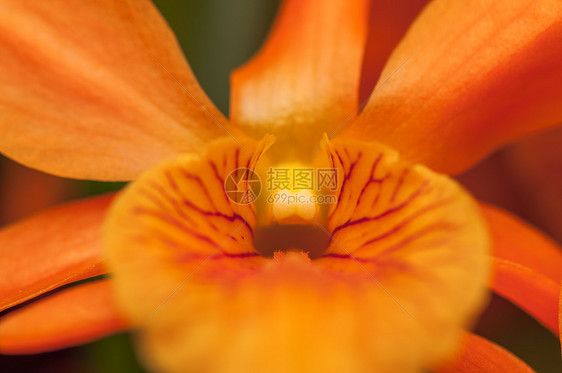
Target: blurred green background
column 217, row 36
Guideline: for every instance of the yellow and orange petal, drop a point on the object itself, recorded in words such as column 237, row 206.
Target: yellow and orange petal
column 478, row 75
column 51, row 249
column 415, row 230
column 97, row 89
column 306, row 78
column 177, row 217
column 71, row 317
column 186, row 269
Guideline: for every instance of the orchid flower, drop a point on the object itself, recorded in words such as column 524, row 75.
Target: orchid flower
column 100, row 90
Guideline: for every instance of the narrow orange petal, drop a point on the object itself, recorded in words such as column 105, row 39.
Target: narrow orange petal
column 534, row 293
column 53, row 248
column 388, row 22
column 481, row 355
column 518, row 242
column 306, row 77
column 74, row 316
column 468, row 77
column 528, row 266
column 96, row 89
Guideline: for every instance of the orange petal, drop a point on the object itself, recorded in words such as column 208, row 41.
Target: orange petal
column 291, row 313
column 419, row 234
column 388, row 23
column 528, row 266
column 518, row 242
column 96, row 89
column 306, row 77
column 480, row 355
column 535, row 294
column 74, row 316
column 478, row 74
column 53, row 248
column 185, row 268
column 178, row 213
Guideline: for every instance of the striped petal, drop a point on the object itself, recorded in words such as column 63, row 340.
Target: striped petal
column 468, row 77
column 51, row 249
column 96, row 89
column 176, row 217
column 74, row 316
column 305, row 80
column 186, row 270
column 418, row 233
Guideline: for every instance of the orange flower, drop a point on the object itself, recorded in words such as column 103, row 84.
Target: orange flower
column 408, row 254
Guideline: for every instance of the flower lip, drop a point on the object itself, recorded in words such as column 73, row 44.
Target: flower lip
column 403, row 231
